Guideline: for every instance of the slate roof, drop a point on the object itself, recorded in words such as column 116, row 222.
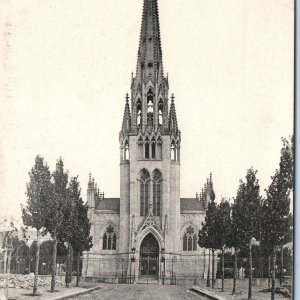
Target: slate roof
column 186, row 205
column 109, row 204
column 190, row 204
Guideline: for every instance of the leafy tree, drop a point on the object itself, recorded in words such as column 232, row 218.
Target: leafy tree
column 79, row 225
column 39, row 194
column 245, row 213
column 207, row 236
column 223, row 219
column 55, row 212
column 277, row 221
column 19, row 255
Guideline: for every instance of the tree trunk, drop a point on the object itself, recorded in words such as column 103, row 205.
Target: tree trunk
column 273, row 274
column 208, row 270
column 78, row 269
column 250, row 274
column 281, row 265
column 67, row 266
column 269, row 270
column 235, row 272
column 68, row 275
column 223, row 269
column 37, row 261
column 53, row 273
column 213, row 269
column 71, row 264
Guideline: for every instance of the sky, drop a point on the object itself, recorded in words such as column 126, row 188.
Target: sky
column 66, row 67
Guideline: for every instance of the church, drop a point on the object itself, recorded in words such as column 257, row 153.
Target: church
column 150, row 231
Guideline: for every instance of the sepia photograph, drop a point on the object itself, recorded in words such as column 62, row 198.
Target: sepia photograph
column 147, row 149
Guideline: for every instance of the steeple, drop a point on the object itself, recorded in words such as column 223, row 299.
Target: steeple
column 149, row 63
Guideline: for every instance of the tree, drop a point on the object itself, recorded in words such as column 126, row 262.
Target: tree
column 277, row 221
column 207, row 236
column 246, row 212
column 19, row 255
column 55, row 212
column 39, row 194
column 79, row 237
column 223, row 219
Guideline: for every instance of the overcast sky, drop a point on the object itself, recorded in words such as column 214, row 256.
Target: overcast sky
column 66, row 67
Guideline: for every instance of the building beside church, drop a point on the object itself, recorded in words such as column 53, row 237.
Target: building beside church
column 149, row 230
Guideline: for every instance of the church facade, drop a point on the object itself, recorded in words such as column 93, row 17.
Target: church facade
column 150, row 224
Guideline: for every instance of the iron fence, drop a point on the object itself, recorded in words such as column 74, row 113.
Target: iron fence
column 167, row 270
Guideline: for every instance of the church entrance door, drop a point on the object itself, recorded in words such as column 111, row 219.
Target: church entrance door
column 149, row 256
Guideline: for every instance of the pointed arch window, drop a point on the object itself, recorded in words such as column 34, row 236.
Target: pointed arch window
column 139, row 113
column 160, row 112
column 190, row 239
column 109, row 238
column 150, row 107
column 153, row 147
column 126, row 151
column 147, row 148
column 157, row 188
column 140, row 148
column 173, row 151
column 159, row 148
column 144, row 192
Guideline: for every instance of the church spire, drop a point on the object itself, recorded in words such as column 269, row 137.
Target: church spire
column 149, row 63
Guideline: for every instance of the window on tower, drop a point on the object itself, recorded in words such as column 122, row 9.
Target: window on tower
column 147, row 148
column 144, row 192
column 109, row 238
column 190, row 239
column 140, row 148
column 150, row 107
column 159, row 148
column 157, row 188
column 173, row 151
column 153, row 147
column 160, row 112
column 139, row 113
column 126, row 151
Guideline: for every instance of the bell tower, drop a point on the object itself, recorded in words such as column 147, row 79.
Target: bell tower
column 150, row 148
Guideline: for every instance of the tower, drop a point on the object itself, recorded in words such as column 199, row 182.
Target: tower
column 149, row 149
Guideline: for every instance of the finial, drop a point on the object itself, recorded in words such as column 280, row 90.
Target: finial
column 127, row 97
column 90, row 177
column 172, row 98
column 131, row 75
column 93, row 182
column 210, row 176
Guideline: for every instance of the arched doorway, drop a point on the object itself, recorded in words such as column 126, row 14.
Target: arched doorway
column 149, row 256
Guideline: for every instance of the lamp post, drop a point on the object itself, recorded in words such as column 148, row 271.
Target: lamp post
column 163, row 261
column 133, row 261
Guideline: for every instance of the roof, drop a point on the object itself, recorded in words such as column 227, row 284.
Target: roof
column 190, row 204
column 109, row 204
column 186, row 205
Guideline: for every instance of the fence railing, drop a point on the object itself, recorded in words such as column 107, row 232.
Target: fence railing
column 169, row 270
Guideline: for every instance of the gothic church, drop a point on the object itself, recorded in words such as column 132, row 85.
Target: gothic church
column 149, row 223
